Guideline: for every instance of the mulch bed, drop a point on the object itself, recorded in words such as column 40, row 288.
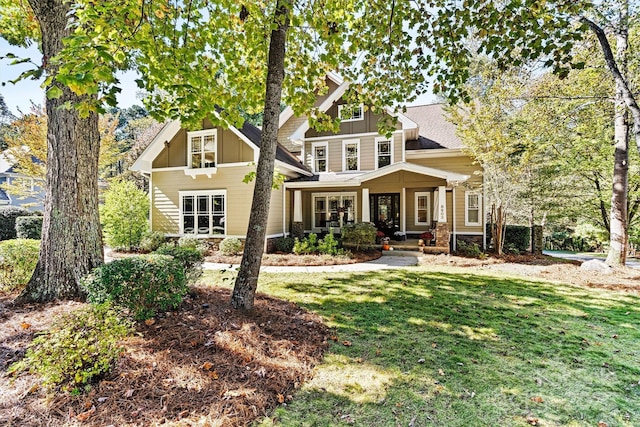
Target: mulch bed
column 204, row 364
column 300, row 260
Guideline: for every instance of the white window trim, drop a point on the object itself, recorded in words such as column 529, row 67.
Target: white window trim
column 342, row 106
column 204, row 132
column 182, row 194
column 417, row 195
column 324, row 144
column 379, row 139
column 344, row 154
column 466, row 208
column 326, row 196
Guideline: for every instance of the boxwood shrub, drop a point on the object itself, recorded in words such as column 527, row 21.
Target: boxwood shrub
column 18, row 259
column 29, row 227
column 143, row 284
column 8, row 215
column 189, row 257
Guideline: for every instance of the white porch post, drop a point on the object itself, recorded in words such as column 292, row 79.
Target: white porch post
column 297, row 206
column 403, row 209
column 442, row 204
column 366, row 216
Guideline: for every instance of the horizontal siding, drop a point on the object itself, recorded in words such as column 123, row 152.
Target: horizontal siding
column 165, row 187
column 274, row 223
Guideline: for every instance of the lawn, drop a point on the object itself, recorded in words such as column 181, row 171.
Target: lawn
column 449, row 346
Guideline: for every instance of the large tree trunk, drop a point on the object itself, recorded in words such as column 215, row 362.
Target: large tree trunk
column 247, row 280
column 618, row 223
column 71, row 237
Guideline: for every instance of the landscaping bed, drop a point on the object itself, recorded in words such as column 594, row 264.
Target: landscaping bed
column 300, row 260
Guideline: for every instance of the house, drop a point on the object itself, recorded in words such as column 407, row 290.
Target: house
column 417, row 180
column 9, row 175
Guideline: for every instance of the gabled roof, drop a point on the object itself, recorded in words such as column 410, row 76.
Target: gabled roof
column 4, row 197
column 6, row 162
column 248, row 133
column 356, row 179
column 436, row 132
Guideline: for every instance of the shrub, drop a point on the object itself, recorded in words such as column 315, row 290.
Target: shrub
column 329, row 245
column 151, row 241
column 190, row 258
column 192, row 242
column 18, row 259
column 471, row 250
column 230, row 246
column 78, row 348
column 124, row 215
column 517, row 237
column 306, row 246
column 8, row 217
column 29, row 227
column 361, row 234
column 284, row 244
column 142, row 284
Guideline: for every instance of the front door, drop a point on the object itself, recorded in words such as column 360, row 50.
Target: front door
column 385, row 212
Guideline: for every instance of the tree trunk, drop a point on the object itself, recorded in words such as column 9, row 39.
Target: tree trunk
column 71, row 237
column 247, row 281
column 618, row 222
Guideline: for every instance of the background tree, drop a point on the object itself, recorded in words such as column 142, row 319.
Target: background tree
column 6, row 117
column 124, row 215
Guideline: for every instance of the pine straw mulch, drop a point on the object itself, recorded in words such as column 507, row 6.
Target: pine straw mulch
column 623, row 279
column 204, row 364
column 279, row 259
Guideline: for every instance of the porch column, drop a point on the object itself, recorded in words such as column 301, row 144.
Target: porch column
column 366, row 214
column 442, row 204
column 403, row 209
column 297, row 228
column 297, row 206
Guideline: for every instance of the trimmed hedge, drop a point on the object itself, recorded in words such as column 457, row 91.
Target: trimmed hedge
column 8, row 215
column 142, row 284
column 29, row 227
column 189, row 257
column 361, row 234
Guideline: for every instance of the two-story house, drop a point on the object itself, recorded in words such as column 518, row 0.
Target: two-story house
column 9, row 175
column 416, row 180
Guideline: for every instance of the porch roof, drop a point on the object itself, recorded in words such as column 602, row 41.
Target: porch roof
column 350, row 179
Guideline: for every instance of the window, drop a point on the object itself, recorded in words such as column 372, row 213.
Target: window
column 333, row 210
column 320, row 157
column 384, row 152
column 202, row 148
column 350, row 113
column 423, row 211
column 202, row 212
column 472, row 214
column 350, row 157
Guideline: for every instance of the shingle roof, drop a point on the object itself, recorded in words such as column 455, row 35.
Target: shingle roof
column 254, row 134
column 435, row 130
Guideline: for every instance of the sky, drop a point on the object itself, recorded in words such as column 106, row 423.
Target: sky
column 20, row 96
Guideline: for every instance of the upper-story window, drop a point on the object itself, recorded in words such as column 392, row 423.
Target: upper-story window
column 350, row 113
column 472, row 211
column 203, row 147
column 320, row 156
column 351, row 155
column 384, row 152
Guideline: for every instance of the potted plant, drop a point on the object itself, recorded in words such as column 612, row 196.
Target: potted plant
column 385, row 244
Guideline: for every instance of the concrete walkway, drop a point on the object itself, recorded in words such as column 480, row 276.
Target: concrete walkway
column 382, row 263
column 631, row 262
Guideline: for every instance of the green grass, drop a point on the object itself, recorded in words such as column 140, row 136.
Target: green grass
column 443, row 347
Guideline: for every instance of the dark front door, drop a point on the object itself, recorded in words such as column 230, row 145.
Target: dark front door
column 385, row 212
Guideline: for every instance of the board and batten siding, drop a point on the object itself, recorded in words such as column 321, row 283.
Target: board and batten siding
column 166, row 185
column 367, row 151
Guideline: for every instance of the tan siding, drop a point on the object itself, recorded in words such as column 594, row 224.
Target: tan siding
column 175, row 153
column 287, row 129
column 231, row 149
column 369, row 124
column 274, row 224
column 166, row 185
column 397, row 147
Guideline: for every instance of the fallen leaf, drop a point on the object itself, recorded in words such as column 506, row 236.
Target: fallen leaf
column 280, row 398
column 213, row 375
column 347, row 343
column 128, row 393
column 441, row 372
column 532, row 420
column 86, row 414
column 614, row 336
column 537, row 399
column 334, row 338
column 25, row 325
column 207, row 366
column 378, row 352
column 602, row 424
column 149, row 322
column 434, row 345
